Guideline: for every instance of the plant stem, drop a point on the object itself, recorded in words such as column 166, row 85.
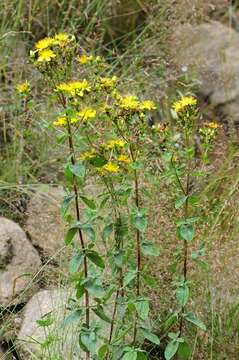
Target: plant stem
column 185, row 244
column 138, row 249
column 73, row 162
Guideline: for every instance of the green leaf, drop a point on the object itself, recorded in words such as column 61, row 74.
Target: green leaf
column 129, row 277
column 130, row 355
column 203, row 265
column 138, row 219
column 182, row 294
column 118, row 258
column 98, row 161
column 68, row 173
column 192, row 318
column 107, row 231
column 89, row 231
column 141, row 356
column 65, row 205
column 89, row 341
column 171, row 349
column 180, row 201
column 45, row 321
column 193, row 200
column 89, row 202
column 136, row 165
column 150, row 281
column 142, row 308
column 99, row 311
column 149, row 249
column 60, row 138
column 102, row 352
column 70, row 235
column 71, row 318
column 184, row 351
column 77, row 170
column 94, row 288
column 150, row 336
column 95, row 258
column 186, row 232
column 172, row 319
column 79, row 290
column 75, row 262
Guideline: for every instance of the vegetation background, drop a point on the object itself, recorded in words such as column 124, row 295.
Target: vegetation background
column 135, row 36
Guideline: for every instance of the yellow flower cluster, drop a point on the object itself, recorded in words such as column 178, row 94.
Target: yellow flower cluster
column 107, row 82
column 88, row 155
column 129, row 102
column 87, row 114
column 132, row 103
column 23, row 88
column 44, row 43
column 111, row 167
column 124, row 159
column 60, row 39
column 209, row 131
column 212, row 125
column 44, row 46
column 85, row 59
column 114, row 144
column 60, row 121
column 74, row 88
column 46, row 55
column 184, row 104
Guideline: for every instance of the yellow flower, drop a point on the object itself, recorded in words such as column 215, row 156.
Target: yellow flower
column 74, row 88
column 46, row 55
column 114, row 144
column 212, row 125
column 98, row 58
column 107, row 82
column 87, row 114
column 125, row 159
column 61, row 38
column 60, row 121
column 23, row 88
column 84, row 59
column 74, row 120
column 111, row 167
column 184, row 103
column 87, row 155
column 44, row 43
column 147, row 105
column 129, row 102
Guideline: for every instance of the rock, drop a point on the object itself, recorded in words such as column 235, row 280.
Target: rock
column 64, row 339
column 44, row 224
column 211, row 51
column 18, row 260
column 44, row 302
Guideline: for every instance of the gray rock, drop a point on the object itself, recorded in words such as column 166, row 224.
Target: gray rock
column 64, row 339
column 19, row 259
column 44, row 224
column 210, row 51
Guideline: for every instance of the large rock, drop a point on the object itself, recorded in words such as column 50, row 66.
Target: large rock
column 64, row 340
column 210, row 51
column 44, row 302
column 19, row 259
column 44, row 224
